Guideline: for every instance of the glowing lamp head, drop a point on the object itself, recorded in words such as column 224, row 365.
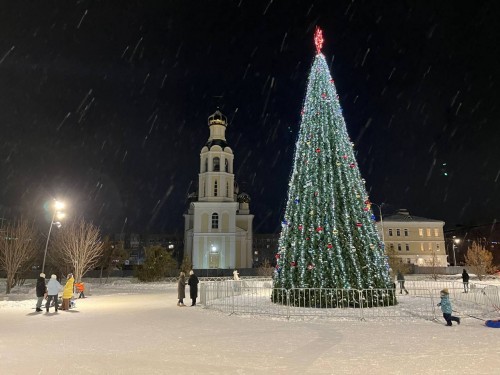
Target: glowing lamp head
column 58, row 205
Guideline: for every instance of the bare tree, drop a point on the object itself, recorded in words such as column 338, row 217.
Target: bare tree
column 186, row 265
column 396, row 262
column 479, row 260
column 266, row 269
column 433, row 263
column 78, row 246
column 18, row 247
column 113, row 256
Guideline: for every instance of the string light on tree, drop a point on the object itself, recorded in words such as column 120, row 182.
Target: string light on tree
column 328, row 236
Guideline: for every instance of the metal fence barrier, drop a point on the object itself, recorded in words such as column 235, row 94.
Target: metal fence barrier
column 254, row 297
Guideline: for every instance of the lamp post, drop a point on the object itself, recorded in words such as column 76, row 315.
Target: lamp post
column 58, row 206
column 455, row 242
column 381, row 220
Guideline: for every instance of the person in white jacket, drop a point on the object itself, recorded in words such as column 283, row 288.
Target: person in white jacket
column 53, row 288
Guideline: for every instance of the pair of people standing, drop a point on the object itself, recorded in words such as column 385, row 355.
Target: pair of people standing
column 193, row 288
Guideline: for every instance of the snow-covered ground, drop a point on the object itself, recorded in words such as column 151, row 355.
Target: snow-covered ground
column 132, row 328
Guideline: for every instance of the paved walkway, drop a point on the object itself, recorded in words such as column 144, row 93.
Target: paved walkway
column 148, row 334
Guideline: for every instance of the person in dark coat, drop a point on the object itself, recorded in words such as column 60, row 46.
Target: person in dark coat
column 401, row 280
column 465, row 280
column 41, row 291
column 193, row 287
column 181, row 289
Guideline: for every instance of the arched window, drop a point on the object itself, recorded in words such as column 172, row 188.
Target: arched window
column 215, row 221
column 215, row 188
column 206, row 166
column 227, row 165
column 216, row 164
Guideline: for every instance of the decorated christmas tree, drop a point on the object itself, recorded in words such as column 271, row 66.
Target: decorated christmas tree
column 328, row 241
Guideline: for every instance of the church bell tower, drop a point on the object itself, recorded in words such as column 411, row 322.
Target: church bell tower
column 218, row 223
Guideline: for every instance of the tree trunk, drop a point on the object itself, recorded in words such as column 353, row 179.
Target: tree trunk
column 10, row 283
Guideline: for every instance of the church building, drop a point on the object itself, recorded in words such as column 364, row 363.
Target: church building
column 218, row 223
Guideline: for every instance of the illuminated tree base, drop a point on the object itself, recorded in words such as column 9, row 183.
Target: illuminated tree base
column 335, row 298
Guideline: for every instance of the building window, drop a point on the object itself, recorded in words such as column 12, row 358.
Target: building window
column 430, row 246
column 390, row 232
column 215, row 188
column 391, row 247
column 406, row 233
column 215, row 221
column 407, row 247
column 398, row 232
column 227, row 189
column 437, row 247
column 436, row 232
column 226, row 165
column 399, row 247
column 422, row 246
column 206, row 166
column 420, row 232
column 428, row 231
column 216, row 164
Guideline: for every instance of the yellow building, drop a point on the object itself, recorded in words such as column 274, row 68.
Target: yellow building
column 218, row 223
column 415, row 240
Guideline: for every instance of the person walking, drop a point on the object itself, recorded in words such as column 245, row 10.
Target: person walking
column 80, row 288
column 41, row 291
column 53, row 288
column 465, row 280
column 68, row 291
column 181, row 289
column 401, row 280
column 446, row 308
column 193, row 287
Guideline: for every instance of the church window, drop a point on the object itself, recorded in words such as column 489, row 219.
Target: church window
column 216, row 164
column 215, row 221
column 215, row 188
column 206, row 166
column 227, row 165
column 227, row 189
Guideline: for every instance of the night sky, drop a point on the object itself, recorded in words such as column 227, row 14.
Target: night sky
column 104, row 104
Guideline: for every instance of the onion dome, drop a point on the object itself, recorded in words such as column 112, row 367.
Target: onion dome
column 193, row 196
column 217, row 118
column 243, row 198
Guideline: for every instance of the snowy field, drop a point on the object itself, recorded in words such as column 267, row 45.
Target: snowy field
column 131, row 328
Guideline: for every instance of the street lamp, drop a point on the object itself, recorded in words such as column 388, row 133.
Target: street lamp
column 58, row 206
column 381, row 220
column 455, row 242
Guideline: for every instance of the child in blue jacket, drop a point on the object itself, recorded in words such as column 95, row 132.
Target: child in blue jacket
column 446, row 308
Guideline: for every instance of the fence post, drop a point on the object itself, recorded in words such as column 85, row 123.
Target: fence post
column 287, row 303
column 202, row 294
column 361, row 312
column 232, row 298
